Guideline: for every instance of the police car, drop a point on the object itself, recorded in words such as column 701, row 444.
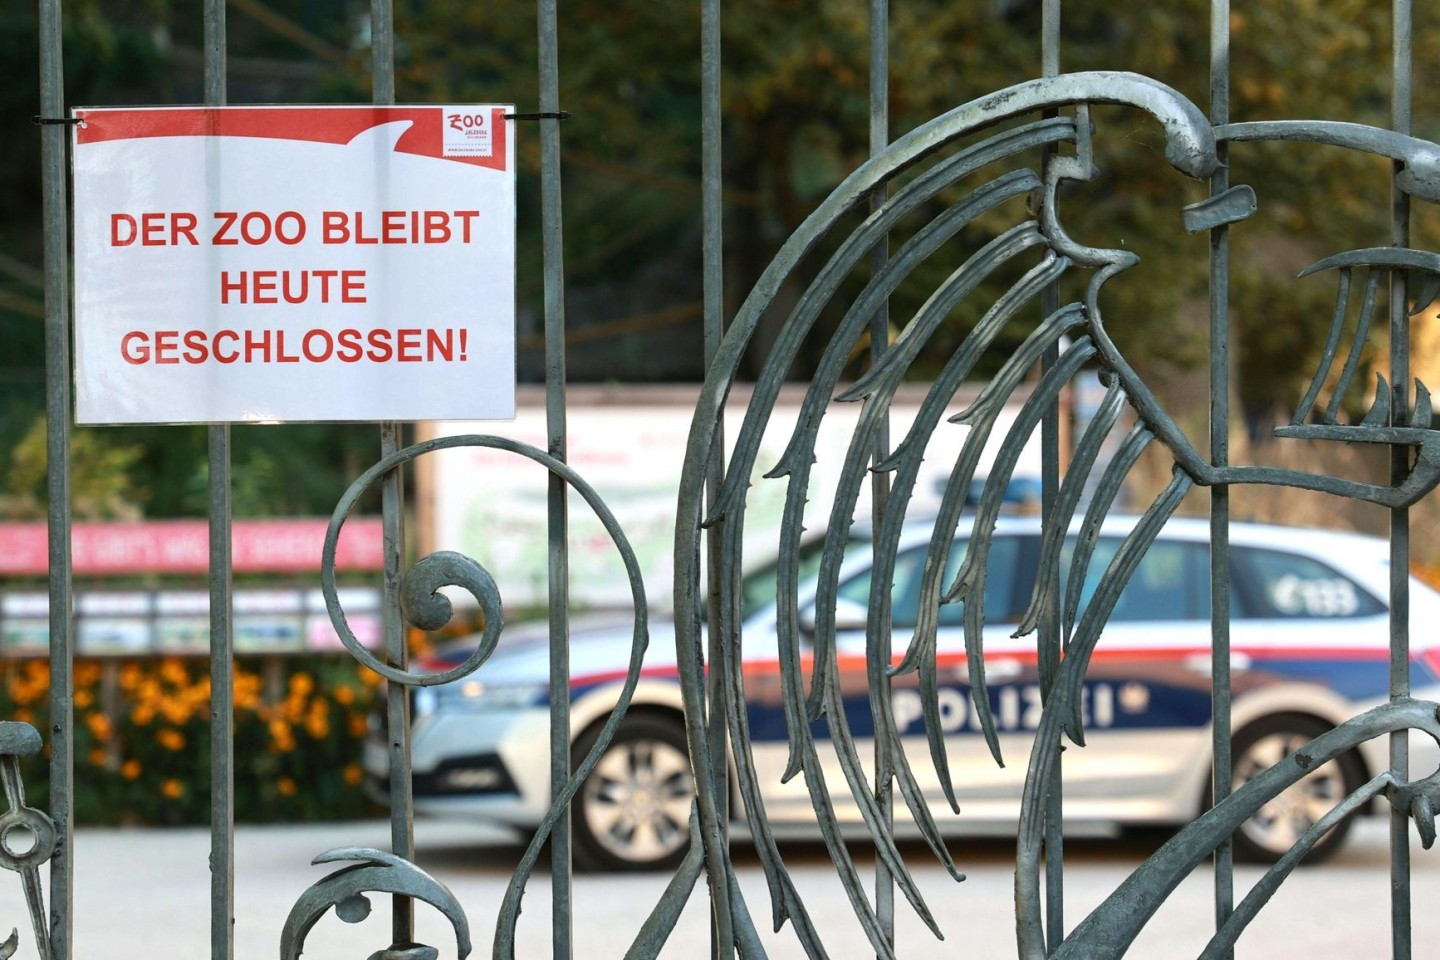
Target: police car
column 1309, row 637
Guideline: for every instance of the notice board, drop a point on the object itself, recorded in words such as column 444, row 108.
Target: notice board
column 294, row 263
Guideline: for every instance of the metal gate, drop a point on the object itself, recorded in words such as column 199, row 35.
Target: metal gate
column 1040, row 133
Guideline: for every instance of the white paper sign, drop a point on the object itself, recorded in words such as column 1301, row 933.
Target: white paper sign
column 294, row 263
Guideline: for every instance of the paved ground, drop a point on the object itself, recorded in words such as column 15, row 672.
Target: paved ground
column 144, row 893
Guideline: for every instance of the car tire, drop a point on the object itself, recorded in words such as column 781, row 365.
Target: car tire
column 633, row 811
column 1275, row 827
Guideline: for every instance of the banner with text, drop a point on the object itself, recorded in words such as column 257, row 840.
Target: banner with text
column 294, row 263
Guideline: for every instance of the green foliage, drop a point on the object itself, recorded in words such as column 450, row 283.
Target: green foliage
column 280, row 470
column 102, row 469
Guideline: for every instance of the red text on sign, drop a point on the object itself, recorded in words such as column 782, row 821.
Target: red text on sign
column 397, row 226
column 292, row 286
column 465, row 121
column 318, row 345
column 153, row 229
column 256, row 228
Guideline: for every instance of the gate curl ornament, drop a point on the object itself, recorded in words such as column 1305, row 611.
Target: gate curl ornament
column 372, row 871
column 424, row 606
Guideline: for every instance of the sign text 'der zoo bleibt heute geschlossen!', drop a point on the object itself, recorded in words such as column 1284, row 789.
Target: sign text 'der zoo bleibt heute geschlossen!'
column 294, row 263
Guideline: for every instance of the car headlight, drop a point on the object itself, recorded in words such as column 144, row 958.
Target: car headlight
column 423, row 701
column 473, row 694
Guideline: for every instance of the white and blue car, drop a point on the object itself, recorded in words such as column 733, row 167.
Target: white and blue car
column 1310, row 649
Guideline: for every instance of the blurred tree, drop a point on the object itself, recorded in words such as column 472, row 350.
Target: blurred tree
column 107, row 54
column 137, row 52
column 102, row 476
column 795, row 77
column 796, row 121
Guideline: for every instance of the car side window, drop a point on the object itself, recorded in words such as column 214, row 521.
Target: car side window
column 1280, row 584
column 1000, row 584
column 1171, row 582
column 758, row 588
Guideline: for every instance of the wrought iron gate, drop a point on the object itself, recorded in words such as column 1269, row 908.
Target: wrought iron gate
column 1040, row 133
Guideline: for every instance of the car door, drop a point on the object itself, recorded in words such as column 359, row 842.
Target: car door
column 1014, row 694
column 1145, row 700
column 1147, row 688
column 1302, row 621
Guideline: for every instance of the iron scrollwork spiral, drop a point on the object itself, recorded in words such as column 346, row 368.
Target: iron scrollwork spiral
column 371, row 871
column 424, row 606
column 422, row 603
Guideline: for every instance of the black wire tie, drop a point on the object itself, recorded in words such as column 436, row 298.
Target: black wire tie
column 51, row 121
column 562, row 115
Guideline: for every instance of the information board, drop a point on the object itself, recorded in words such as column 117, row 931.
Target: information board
column 294, row 263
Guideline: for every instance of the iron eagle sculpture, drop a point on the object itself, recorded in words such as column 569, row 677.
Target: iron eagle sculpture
column 923, row 174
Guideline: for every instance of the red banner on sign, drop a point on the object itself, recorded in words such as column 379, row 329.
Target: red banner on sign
column 183, row 546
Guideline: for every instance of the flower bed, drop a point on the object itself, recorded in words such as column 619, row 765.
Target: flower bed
column 142, row 737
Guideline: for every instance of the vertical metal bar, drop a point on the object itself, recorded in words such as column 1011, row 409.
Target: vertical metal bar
column 382, row 52
column 1049, row 489
column 1220, row 770
column 392, row 510
column 880, row 481
column 1050, row 38
column 1402, row 84
column 552, row 230
column 713, row 295
column 222, row 676
column 57, row 445
column 222, row 703
column 397, row 705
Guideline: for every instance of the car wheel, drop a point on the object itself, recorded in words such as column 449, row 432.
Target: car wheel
column 1275, row 827
column 633, row 811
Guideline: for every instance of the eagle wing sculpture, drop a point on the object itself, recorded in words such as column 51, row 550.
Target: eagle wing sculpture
column 933, row 171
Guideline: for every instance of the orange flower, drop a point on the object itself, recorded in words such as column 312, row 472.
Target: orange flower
column 344, row 696
column 97, row 757
column 248, row 687
column 353, row 774
column 175, row 711
column 130, row 769
column 99, row 725
column 369, row 677
column 170, row 739
column 172, row 789
column 301, row 685
column 84, row 698
column 23, row 715
column 317, row 721
column 287, row 787
column 282, row 738
column 172, row 669
column 356, row 724
column 28, row 689
column 293, row 708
